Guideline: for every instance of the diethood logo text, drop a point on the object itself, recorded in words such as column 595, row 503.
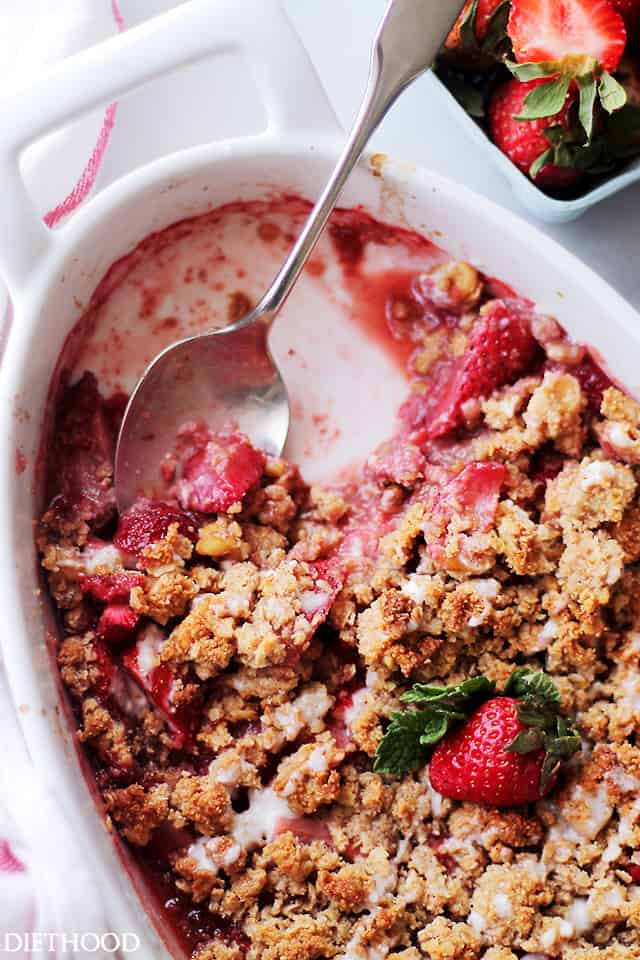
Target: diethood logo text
column 62, row 943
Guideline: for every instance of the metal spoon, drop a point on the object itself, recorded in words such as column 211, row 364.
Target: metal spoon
column 229, row 376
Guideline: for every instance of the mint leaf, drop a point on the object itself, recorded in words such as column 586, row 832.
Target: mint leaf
column 587, row 85
column 612, row 94
column 544, row 101
column 400, row 749
column 435, row 729
column 453, row 695
column 533, row 71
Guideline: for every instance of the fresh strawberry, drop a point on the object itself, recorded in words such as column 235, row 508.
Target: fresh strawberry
column 550, row 30
column 159, row 683
column 593, row 381
column 117, row 624
column 524, row 141
column 148, row 521
column 484, row 13
column 506, row 753
column 217, row 470
column 501, row 349
column 473, row 763
column 111, row 587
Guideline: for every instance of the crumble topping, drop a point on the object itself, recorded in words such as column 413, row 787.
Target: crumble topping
column 234, row 670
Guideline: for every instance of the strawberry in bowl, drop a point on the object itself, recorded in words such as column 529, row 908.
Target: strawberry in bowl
column 553, row 85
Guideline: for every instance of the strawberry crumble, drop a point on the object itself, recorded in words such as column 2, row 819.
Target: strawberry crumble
column 391, row 716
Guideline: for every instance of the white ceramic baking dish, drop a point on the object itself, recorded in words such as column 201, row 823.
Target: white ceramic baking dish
column 51, row 276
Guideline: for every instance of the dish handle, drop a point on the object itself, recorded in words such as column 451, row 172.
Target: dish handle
column 293, row 96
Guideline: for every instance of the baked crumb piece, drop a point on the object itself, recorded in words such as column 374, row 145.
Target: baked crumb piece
column 203, row 801
column 138, row 811
column 443, row 939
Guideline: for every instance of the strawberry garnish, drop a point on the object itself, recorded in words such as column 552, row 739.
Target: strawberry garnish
column 552, row 30
column 147, row 522
column 508, row 752
column 218, row 470
column 111, row 587
column 501, row 349
column 117, row 624
column 525, row 142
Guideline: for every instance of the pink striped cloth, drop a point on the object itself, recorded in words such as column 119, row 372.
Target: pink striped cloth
column 47, row 901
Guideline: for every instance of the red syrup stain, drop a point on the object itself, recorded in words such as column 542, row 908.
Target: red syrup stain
column 21, row 462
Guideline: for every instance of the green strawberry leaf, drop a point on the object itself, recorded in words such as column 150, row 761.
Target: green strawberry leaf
column 525, row 682
column 496, row 38
column 544, row 101
column 533, row 71
column 563, row 747
column 612, row 94
column 451, row 695
column 468, row 27
column 540, row 162
column 550, row 766
column 587, row 85
column 526, row 742
column 400, row 749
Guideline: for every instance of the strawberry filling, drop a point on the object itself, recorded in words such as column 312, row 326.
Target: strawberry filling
column 111, row 587
column 148, row 521
column 218, row 470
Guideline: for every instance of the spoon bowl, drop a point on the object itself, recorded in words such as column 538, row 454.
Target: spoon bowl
column 227, row 379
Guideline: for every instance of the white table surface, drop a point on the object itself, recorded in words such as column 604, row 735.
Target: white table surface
column 337, row 34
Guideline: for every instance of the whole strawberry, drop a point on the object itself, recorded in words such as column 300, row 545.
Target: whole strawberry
column 474, row 762
column 498, row 750
column 524, row 141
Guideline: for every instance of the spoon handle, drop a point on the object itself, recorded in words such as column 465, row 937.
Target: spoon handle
column 405, row 46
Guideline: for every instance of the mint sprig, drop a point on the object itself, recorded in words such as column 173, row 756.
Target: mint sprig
column 411, row 733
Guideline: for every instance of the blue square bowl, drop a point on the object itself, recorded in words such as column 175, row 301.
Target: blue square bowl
column 546, row 208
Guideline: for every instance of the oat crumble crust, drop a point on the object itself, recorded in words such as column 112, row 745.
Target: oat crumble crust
column 276, row 823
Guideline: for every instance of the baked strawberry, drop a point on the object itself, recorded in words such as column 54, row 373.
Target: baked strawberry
column 524, row 141
column 111, row 587
column 159, row 684
column 593, row 381
column 552, row 30
column 506, row 753
column 117, row 624
column 501, row 349
column 82, row 451
column 148, row 521
column 217, row 470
